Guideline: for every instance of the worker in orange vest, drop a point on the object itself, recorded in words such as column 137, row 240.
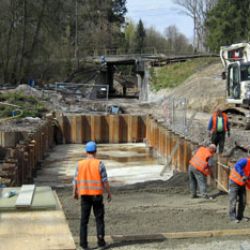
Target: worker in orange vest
column 199, row 168
column 218, row 126
column 239, row 179
column 89, row 184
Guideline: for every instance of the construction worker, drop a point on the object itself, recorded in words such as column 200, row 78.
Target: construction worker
column 89, row 184
column 200, row 167
column 239, row 179
column 218, row 125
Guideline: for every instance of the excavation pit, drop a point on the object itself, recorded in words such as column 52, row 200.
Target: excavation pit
column 145, row 206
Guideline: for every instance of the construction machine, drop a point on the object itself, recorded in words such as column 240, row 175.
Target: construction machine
column 236, row 61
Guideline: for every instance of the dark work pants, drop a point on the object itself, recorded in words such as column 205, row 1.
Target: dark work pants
column 87, row 202
column 218, row 138
column 237, row 200
column 196, row 178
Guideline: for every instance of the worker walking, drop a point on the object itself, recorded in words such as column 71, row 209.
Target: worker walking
column 238, row 181
column 89, row 184
column 199, row 168
column 218, row 126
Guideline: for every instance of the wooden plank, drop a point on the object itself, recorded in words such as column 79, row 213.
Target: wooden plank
column 25, row 196
column 35, row 230
column 175, row 235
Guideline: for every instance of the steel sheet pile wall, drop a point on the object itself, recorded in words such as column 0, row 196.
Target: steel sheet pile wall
column 163, row 141
column 22, row 157
column 103, row 129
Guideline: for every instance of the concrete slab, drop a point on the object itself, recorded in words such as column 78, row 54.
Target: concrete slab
column 35, row 230
column 25, row 196
column 126, row 164
column 43, row 199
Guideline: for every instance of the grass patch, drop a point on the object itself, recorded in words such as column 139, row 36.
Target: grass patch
column 30, row 105
column 173, row 75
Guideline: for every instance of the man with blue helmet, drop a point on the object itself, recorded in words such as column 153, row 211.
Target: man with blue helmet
column 89, row 184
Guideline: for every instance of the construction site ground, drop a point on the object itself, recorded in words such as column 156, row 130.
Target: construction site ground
column 157, row 205
column 143, row 205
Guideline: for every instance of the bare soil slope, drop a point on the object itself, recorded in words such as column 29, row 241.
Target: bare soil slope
column 204, row 89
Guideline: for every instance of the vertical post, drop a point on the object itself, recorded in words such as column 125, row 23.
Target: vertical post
column 76, row 36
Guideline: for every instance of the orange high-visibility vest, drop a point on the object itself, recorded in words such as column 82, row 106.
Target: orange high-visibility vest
column 237, row 178
column 88, row 179
column 225, row 122
column 200, row 160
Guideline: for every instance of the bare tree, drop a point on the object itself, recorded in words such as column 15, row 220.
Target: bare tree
column 197, row 10
column 177, row 42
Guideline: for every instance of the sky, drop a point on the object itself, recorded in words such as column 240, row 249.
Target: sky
column 160, row 14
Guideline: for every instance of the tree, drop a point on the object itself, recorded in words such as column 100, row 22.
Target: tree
column 37, row 38
column 177, row 42
column 130, row 37
column 155, row 40
column 197, row 10
column 140, row 37
column 227, row 23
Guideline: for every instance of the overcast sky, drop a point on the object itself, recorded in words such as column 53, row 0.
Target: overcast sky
column 160, row 14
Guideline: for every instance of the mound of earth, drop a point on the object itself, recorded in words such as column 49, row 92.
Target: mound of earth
column 205, row 89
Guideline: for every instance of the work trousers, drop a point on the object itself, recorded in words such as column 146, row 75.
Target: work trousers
column 237, row 200
column 218, row 138
column 87, row 202
column 197, row 178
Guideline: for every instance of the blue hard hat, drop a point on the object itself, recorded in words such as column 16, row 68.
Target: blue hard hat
column 90, row 147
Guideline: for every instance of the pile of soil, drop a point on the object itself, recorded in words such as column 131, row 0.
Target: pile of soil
column 205, row 90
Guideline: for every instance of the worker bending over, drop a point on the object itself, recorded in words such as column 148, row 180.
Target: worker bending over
column 238, row 181
column 218, row 126
column 89, row 184
column 199, row 169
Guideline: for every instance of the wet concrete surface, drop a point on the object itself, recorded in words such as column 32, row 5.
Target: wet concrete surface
column 125, row 163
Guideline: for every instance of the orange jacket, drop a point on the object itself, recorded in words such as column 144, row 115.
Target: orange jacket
column 214, row 121
column 88, row 178
column 200, row 160
column 238, row 179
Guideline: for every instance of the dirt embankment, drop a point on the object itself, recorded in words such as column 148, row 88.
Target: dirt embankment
column 204, row 89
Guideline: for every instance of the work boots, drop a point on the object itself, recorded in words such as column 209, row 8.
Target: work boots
column 101, row 243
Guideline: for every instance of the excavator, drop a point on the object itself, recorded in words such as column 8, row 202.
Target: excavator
column 236, row 61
